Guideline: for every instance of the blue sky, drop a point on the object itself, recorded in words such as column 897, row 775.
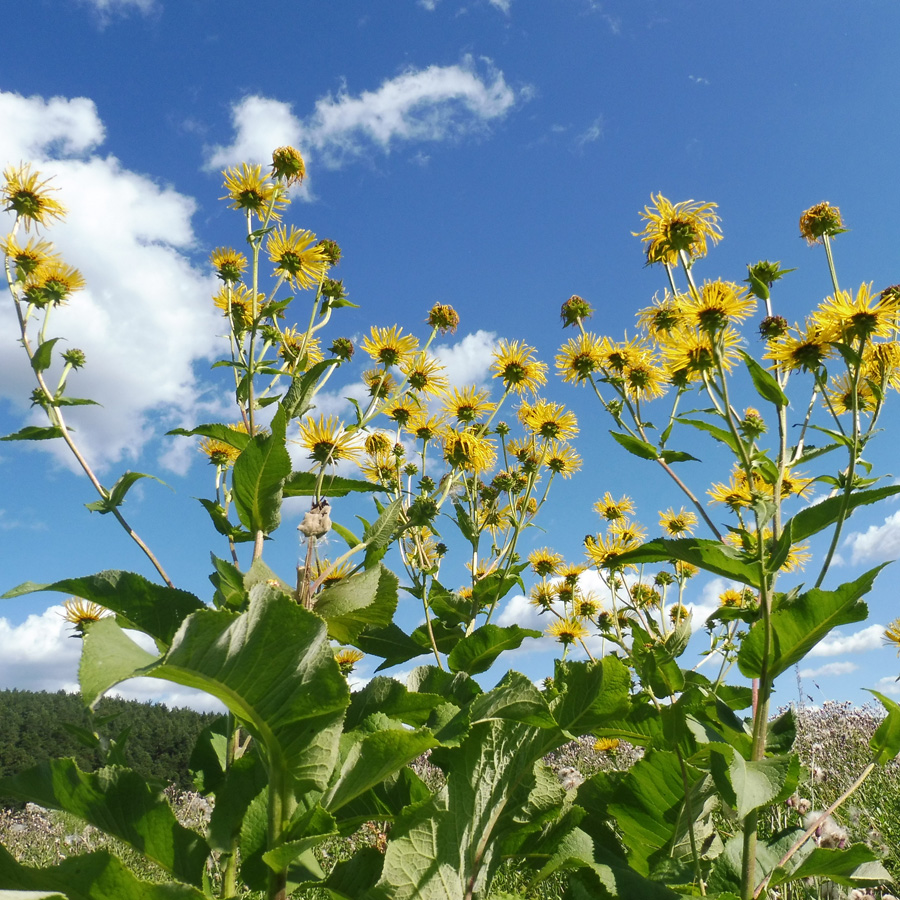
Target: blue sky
column 491, row 154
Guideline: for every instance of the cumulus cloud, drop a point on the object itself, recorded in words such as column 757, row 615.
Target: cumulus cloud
column 888, row 685
column 145, row 318
column 468, row 361
column 861, row 641
column 836, row 668
column 432, row 104
column 40, row 654
column 877, row 542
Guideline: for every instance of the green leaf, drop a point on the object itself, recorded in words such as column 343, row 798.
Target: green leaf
column 219, row 518
column 241, row 783
column 108, row 657
column 711, row 556
column 296, row 400
column 257, row 479
column 228, row 580
column 799, row 624
column 368, row 598
column 152, row 608
column 303, row 484
column 350, row 539
column 391, row 643
column 43, row 356
column 35, row 433
column 764, row 382
column 676, row 456
column 378, row 535
column 393, row 699
column 749, row 785
column 635, row 446
column 591, row 694
column 73, row 401
column 230, row 436
column 515, row 698
column 492, row 588
column 856, row 866
column 119, row 802
column 813, row 519
column 465, row 524
column 605, row 882
column 89, row 876
column 476, row 652
column 885, row 743
column 720, row 434
column 118, row 491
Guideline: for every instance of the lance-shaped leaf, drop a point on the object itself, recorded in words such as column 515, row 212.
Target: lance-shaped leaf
column 224, row 433
column 391, row 643
column 306, row 484
column 258, row 478
column 799, row 624
column 813, row 519
column 368, row 598
column 764, row 382
column 885, row 743
column 747, row 786
column 141, row 604
column 273, row 667
column 108, row 657
column 635, row 446
column 91, row 876
column 119, row 802
column 476, row 652
column 117, row 493
column 35, row 433
column 297, row 398
column 712, row 556
column 857, row 866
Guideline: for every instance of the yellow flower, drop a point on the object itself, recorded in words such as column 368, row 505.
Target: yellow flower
column 292, row 343
column 644, row 380
column 515, row 365
column 425, row 427
column 881, row 363
column 28, row 197
column 389, row 346
column 465, row 450
column 379, row 382
column 892, row 634
column 403, row 409
column 249, row 189
column 796, row 350
column 678, row 613
column 630, row 533
column 327, row 440
column 677, row 524
column 580, row 357
column 820, row 221
column 677, row 228
column 860, row 317
column 603, row 551
column 586, row 606
column 237, row 303
column 719, row 303
column 30, row 257
column 619, row 356
column 561, row 459
column 218, row 452
column 468, row 405
column 731, row 597
column 52, row 283
column 567, row 631
column 551, row 421
column 605, row 745
column 288, row 165
column 612, row 509
column 424, row 374
column 81, row 613
column 545, row 562
column 297, row 256
column 542, row 596
column 347, row 658
column 645, row 596
column 228, row 263
column 736, row 494
column 663, row 315
column 690, row 354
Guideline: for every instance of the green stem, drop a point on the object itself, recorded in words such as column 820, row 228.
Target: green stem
column 827, row 242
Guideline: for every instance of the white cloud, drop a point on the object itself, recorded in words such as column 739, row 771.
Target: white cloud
column 877, row 542
column 468, row 361
column 888, row 685
column 145, row 318
column 502, row 5
column 113, row 6
column 591, row 134
column 836, row 668
column 432, row 104
column 835, row 644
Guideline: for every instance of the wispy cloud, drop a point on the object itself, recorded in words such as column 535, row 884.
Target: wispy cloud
column 836, row 668
column 862, row 641
column 878, row 542
column 420, row 105
column 591, row 134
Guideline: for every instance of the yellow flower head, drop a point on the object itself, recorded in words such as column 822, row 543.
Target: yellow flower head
column 249, row 189
column 689, row 353
column 664, row 315
column 567, row 631
column 619, row 356
column 561, row 459
column 719, row 303
column 347, row 658
column 52, row 283
column 237, row 303
column 468, row 405
column 295, row 345
column 297, row 256
column 327, row 440
column 644, row 380
column 731, row 597
column 551, row 421
column 861, row 317
column 678, row 613
column 797, row 350
column 444, row 318
column 603, row 551
column 288, row 165
column 515, row 365
column 424, row 374
column 29, row 258
column 81, row 613
column 389, row 346
column 403, row 409
column 678, row 524
column 673, row 229
column 605, row 745
column 219, row 453
column 892, row 634
column 819, row 221
column 228, row 263
column 542, row 596
column 613, row 509
column 580, row 357
column 379, row 382
column 881, row 363
column 425, row 427
column 469, row 451
column 28, row 197
column 545, row 562
column 736, row 494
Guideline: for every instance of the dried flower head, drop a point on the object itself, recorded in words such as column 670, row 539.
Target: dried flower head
column 574, row 310
column 288, row 165
column 443, row 317
column 820, row 221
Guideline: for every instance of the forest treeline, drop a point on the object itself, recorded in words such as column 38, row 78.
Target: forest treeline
column 35, row 725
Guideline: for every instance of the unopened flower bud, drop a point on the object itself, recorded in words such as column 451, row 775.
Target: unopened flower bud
column 342, row 348
column 575, row 309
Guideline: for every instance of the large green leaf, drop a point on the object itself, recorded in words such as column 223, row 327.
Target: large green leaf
column 391, row 643
column 90, row 876
column 304, row 484
column 231, row 436
column 140, row 604
column 119, row 802
column 368, row 598
column 885, row 743
column 258, row 478
column 591, row 694
column 749, row 785
column 813, row 519
column 799, row 624
column 476, row 652
column 515, row 698
column 712, row 556
column 635, row 446
column 273, row 667
column 391, row 698
column 856, row 866
column 605, row 882
column 108, row 656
